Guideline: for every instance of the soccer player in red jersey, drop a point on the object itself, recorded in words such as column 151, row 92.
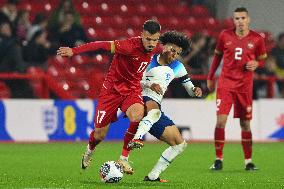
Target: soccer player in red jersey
column 243, row 50
column 121, row 88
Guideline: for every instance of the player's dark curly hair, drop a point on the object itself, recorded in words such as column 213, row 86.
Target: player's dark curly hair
column 177, row 38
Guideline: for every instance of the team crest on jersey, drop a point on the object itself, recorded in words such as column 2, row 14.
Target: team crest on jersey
column 250, row 45
column 168, row 76
column 249, row 108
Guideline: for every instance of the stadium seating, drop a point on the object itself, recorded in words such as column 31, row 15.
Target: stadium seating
column 83, row 75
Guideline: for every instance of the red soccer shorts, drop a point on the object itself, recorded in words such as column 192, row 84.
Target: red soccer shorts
column 242, row 103
column 108, row 103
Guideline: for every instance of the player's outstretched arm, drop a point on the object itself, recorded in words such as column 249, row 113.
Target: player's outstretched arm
column 92, row 46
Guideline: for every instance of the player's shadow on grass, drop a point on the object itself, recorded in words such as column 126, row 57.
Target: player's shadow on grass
column 233, row 171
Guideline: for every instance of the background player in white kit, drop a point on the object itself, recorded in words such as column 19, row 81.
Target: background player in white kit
column 161, row 71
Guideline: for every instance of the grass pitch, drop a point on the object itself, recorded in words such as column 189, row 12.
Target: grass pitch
column 57, row 165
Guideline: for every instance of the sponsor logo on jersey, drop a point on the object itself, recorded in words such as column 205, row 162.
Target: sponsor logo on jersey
column 228, row 43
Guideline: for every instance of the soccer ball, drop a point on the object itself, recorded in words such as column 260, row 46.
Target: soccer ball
column 111, row 172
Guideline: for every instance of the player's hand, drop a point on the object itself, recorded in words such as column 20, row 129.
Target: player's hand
column 197, row 91
column 211, row 85
column 157, row 88
column 65, row 51
column 251, row 65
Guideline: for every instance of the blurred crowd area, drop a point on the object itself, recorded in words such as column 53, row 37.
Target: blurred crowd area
column 32, row 30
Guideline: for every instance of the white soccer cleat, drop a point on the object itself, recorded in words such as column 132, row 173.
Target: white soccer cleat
column 126, row 166
column 86, row 160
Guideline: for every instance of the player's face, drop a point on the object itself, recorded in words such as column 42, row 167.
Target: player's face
column 149, row 40
column 171, row 52
column 241, row 21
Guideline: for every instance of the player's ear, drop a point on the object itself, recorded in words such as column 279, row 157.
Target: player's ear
column 248, row 20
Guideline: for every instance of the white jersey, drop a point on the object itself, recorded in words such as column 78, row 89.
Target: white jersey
column 163, row 75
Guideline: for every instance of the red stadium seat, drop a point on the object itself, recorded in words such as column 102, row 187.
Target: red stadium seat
column 199, row 11
column 228, row 23
column 36, row 84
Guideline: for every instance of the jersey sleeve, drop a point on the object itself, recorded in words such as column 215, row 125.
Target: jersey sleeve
column 183, row 77
column 124, row 47
column 180, row 71
column 260, row 49
column 220, row 43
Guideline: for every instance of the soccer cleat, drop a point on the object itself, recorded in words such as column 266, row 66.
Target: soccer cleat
column 135, row 143
column 146, row 178
column 251, row 167
column 218, row 165
column 126, row 166
column 86, row 160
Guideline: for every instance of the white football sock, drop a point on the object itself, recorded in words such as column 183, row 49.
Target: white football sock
column 123, row 158
column 247, row 161
column 166, row 158
column 89, row 151
column 147, row 122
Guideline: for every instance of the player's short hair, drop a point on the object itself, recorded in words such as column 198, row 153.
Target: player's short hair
column 177, row 38
column 152, row 26
column 241, row 9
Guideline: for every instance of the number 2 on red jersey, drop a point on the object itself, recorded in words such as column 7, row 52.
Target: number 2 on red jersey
column 238, row 53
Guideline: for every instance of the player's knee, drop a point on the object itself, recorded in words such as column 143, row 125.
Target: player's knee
column 180, row 147
column 154, row 115
column 99, row 134
column 135, row 116
column 221, row 124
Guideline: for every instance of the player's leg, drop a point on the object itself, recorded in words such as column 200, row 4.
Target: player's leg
column 133, row 106
column 123, row 159
column 96, row 136
column 105, row 114
column 224, row 103
column 243, row 110
column 129, row 144
column 153, row 115
column 171, row 136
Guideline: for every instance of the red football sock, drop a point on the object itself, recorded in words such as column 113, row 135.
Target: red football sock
column 128, row 137
column 219, row 136
column 247, row 144
column 92, row 141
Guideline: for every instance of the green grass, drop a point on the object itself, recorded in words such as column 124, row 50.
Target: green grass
column 57, row 165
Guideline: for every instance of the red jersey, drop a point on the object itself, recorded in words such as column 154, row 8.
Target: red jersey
column 127, row 67
column 237, row 52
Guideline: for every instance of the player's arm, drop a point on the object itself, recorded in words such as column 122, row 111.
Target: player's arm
column 214, row 66
column 260, row 56
column 154, row 87
column 92, row 46
column 189, row 87
column 217, row 57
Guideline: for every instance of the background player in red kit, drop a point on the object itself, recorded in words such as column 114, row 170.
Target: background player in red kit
column 243, row 50
column 121, row 88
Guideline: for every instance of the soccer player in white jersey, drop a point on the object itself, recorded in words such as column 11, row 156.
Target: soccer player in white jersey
column 161, row 71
